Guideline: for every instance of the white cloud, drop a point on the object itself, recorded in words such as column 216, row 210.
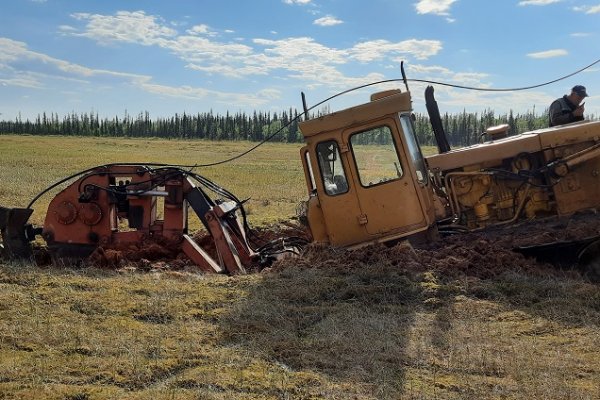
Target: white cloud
column 200, row 49
column 456, row 99
column 306, row 60
column 438, row 7
column 125, row 26
column 195, row 93
column 66, row 29
column 439, row 73
column 297, row 58
column 272, row 94
column 328, row 21
column 23, row 67
column 11, row 50
column 379, row 49
column 201, row 29
column 14, row 52
column 580, row 34
column 538, row 2
column 549, row 53
column 23, row 81
column 459, row 99
column 428, row 69
column 588, row 9
column 300, row 2
column 230, row 71
column 469, row 78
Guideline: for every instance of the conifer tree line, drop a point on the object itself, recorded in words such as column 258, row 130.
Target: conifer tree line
column 462, row 128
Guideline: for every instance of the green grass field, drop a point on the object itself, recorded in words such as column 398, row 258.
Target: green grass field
column 332, row 325
column 270, row 176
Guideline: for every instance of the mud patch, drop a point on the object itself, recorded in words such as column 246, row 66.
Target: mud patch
column 483, row 254
column 477, row 258
column 159, row 255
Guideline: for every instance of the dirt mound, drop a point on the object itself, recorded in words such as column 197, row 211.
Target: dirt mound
column 156, row 254
column 148, row 255
column 476, row 257
column 549, row 230
column 482, row 254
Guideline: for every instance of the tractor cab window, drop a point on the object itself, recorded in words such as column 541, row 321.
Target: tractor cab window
column 376, row 156
column 413, row 148
column 332, row 170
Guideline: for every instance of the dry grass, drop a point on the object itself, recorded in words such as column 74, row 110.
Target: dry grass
column 373, row 331
column 330, row 327
column 397, row 334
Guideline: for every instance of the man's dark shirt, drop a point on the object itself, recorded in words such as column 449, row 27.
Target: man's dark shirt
column 561, row 112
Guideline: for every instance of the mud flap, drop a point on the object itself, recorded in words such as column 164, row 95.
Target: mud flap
column 13, row 227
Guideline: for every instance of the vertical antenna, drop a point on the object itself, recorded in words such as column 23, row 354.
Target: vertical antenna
column 404, row 75
column 304, row 106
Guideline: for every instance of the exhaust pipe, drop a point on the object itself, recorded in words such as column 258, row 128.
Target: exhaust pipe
column 436, row 121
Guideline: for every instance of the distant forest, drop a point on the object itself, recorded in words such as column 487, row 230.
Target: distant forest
column 462, row 128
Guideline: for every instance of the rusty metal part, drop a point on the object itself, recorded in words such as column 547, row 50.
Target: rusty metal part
column 66, row 213
column 15, row 232
column 117, row 206
column 198, row 255
column 90, row 213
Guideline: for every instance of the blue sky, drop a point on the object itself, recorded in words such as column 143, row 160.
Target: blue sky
column 181, row 55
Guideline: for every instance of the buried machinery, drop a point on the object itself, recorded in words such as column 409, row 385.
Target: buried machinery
column 367, row 180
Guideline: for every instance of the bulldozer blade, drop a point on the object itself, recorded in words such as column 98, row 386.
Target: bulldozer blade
column 582, row 253
column 13, row 226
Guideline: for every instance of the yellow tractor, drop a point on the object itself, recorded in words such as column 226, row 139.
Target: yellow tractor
column 369, row 182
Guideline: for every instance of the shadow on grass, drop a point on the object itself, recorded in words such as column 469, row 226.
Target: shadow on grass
column 358, row 316
column 350, row 320
column 568, row 299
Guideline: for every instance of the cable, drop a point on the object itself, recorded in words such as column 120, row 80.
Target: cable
column 508, row 89
column 389, row 81
column 268, row 138
column 75, row 175
column 524, row 176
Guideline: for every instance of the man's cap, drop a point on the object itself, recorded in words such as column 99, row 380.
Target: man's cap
column 579, row 90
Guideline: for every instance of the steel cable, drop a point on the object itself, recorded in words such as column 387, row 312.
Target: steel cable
column 268, row 138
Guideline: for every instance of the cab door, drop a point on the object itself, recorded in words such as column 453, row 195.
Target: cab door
column 337, row 194
column 385, row 179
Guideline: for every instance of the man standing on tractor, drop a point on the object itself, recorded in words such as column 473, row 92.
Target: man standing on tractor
column 569, row 108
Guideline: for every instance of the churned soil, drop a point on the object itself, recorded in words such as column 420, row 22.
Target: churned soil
column 475, row 257
column 157, row 254
column 483, row 254
column 548, row 230
column 148, row 255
